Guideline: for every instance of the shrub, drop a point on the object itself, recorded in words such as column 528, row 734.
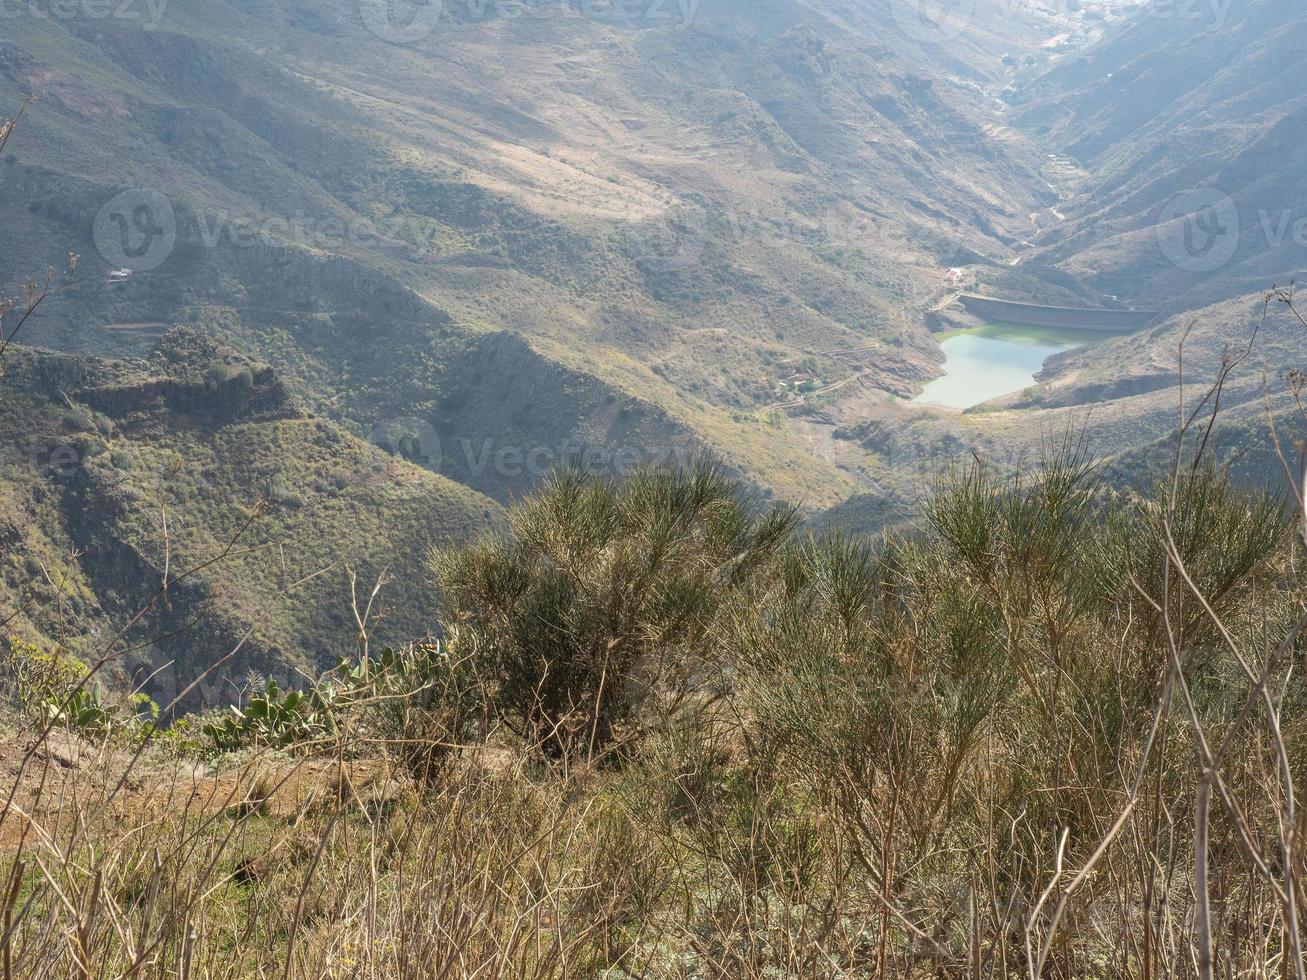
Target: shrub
column 30, row 676
column 53, row 688
column 999, row 673
column 968, row 750
column 274, row 718
column 585, row 623
column 416, row 697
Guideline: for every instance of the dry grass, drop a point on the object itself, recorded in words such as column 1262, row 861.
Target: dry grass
column 1046, row 739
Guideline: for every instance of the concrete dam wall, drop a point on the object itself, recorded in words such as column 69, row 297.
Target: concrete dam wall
column 1031, row 315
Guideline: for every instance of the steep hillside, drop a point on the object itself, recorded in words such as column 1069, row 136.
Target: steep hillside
column 359, row 347
column 1191, row 127
column 682, row 210
column 535, row 229
column 1180, row 136
column 191, row 486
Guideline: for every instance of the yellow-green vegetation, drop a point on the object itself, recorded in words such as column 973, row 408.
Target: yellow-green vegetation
column 193, row 490
column 31, row 676
column 1055, row 732
column 53, row 689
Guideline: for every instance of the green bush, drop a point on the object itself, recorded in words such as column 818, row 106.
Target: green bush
column 274, row 718
column 31, row 676
column 51, row 687
column 1001, row 667
column 413, row 695
column 585, row 623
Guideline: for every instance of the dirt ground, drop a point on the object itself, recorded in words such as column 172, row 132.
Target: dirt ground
column 45, row 783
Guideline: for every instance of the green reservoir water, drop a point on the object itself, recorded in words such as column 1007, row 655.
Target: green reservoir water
column 997, row 359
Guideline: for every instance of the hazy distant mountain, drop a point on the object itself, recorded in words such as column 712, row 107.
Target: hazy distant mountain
column 1191, row 127
column 1180, row 138
column 519, row 234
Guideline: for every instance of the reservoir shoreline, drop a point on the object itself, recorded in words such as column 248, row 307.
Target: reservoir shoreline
column 987, row 362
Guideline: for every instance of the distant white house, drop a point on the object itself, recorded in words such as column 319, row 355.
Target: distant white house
column 954, row 275
column 120, row 275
